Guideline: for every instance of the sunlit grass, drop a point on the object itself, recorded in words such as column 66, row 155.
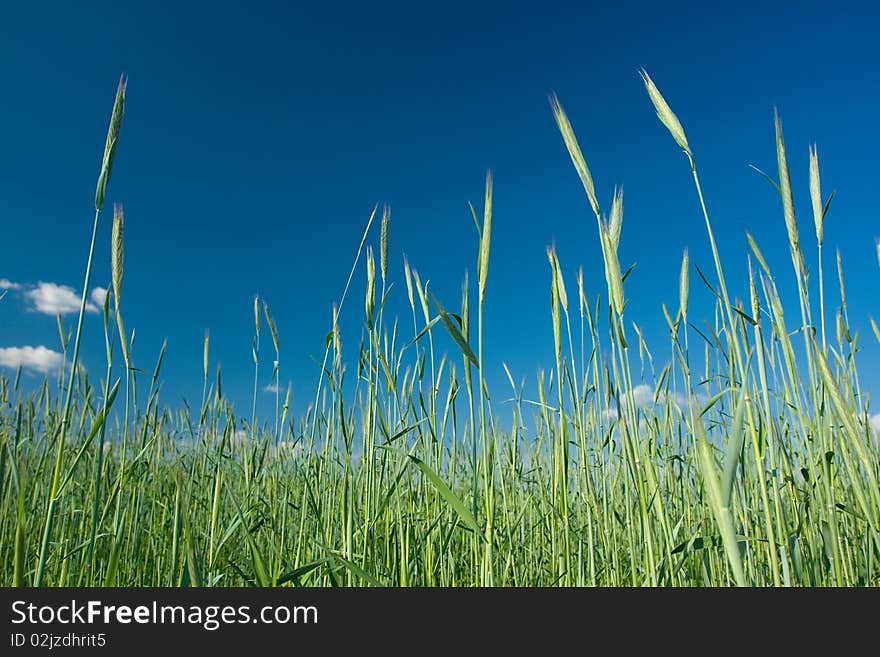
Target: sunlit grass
column 747, row 461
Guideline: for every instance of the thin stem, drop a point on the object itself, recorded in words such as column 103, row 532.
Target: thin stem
column 65, row 414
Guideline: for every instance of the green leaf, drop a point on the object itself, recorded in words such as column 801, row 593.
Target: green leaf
column 262, row 575
column 192, row 565
column 706, row 282
column 421, row 333
column 113, row 567
column 100, row 418
column 748, row 318
column 356, row 570
column 446, row 493
column 297, row 573
column 766, row 177
column 455, row 332
column 734, row 447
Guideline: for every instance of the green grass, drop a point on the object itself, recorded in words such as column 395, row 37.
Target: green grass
column 750, row 460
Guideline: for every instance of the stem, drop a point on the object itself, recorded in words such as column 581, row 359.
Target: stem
column 729, row 324
column 65, row 415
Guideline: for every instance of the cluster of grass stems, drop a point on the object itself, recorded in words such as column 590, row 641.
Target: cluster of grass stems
column 752, row 463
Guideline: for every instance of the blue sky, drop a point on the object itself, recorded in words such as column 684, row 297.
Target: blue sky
column 258, row 138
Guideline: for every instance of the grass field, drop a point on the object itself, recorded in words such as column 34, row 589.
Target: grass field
column 750, row 460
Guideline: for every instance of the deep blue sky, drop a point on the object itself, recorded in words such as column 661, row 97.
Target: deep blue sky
column 257, row 138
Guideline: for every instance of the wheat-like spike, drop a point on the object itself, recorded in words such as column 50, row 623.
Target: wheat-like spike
column 286, row 407
column 574, row 150
column 116, row 251
column 422, row 291
column 465, row 306
column 205, row 353
column 612, row 271
column 581, row 297
column 257, row 313
column 116, row 262
column 841, row 329
column 875, row 328
column 683, row 286
column 371, row 286
column 669, row 322
column 609, row 237
column 485, row 236
column 557, row 273
column 753, row 293
column 61, row 333
column 643, row 345
column 383, row 242
column 760, row 256
column 560, row 283
column 816, row 193
column 110, row 145
column 218, row 390
column 337, row 337
column 271, row 324
column 615, row 222
column 665, row 114
column 785, row 188
column 409, row 288
column 554, row 302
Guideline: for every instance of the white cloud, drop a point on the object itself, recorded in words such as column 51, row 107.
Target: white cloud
column 875, row 422
column 51, row 299
column 6, row 284
column 40, row 359
column 643, row 395
column 286, row 449
column 273, row 388
column 98, row 296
